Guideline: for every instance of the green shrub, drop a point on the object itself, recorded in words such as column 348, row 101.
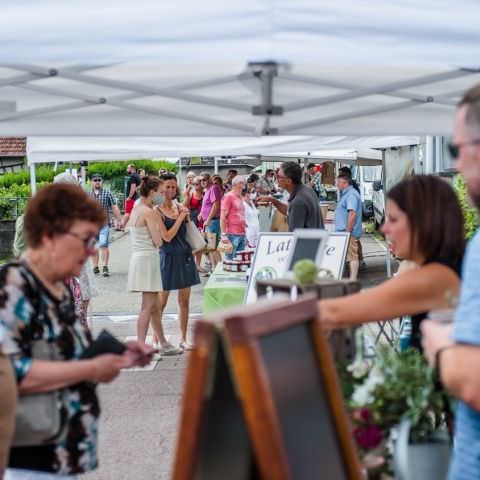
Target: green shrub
column 110, row 170
column 43, row 173
column 13, row 199
column 470, row 214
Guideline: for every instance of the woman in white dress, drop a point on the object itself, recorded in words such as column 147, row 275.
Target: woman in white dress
column 144, row 270
column 251, row 219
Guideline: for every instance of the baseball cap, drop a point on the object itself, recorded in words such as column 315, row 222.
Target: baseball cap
column 95, row 176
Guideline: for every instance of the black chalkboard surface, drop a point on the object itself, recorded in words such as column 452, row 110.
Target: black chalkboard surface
column 300, row 399
column 225, row 451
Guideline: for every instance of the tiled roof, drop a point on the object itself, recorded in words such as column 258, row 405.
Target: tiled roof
column 13, row 146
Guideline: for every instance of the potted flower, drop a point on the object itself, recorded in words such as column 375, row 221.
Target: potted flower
column 393, row 396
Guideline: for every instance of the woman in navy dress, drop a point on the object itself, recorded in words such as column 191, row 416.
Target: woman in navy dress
column 177, row 264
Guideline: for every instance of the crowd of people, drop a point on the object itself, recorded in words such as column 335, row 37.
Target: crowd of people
column 44, row 339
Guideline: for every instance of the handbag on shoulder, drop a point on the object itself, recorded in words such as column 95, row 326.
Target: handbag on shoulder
column 38, row 418
column 194, row 237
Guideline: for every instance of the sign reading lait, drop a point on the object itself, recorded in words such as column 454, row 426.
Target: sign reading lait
column 272, row 253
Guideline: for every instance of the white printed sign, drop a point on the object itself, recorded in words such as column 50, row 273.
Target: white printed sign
column 335, row 253
column 271, row 255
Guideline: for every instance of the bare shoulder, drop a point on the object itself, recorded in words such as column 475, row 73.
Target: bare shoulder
column 434, row 277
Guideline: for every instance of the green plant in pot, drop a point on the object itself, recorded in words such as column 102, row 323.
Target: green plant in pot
column 394, row 397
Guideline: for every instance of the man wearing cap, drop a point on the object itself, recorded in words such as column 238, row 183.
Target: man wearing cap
column 109, row 204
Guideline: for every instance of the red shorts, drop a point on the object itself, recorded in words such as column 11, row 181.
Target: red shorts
column 129, row 202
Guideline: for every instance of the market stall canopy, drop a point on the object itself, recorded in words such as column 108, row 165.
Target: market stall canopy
column 76, row 149
column 367, row 156
column 251, row 68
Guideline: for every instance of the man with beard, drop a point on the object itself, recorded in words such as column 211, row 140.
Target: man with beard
column 454, row 350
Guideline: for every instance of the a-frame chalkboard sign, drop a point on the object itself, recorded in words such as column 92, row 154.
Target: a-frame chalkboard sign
column 262, row 400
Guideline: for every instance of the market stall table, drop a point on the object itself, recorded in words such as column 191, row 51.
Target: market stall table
column 224, row 289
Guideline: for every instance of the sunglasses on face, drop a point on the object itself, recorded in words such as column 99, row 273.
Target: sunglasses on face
column 96, row 180
column 454, row 148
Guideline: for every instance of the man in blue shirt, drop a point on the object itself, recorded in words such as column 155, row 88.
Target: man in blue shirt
column 348, row 218
column 456, row 353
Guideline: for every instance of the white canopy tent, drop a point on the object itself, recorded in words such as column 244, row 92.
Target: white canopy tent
column 231, row 78
column 251, row 68
column 76, row 149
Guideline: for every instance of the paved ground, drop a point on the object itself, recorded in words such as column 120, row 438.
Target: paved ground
column 140, row 409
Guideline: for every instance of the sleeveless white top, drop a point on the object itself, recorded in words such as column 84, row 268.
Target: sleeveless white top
column 144, row 270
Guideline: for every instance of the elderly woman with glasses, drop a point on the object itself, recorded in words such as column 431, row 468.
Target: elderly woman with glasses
column 41, row 333
column 189, row 185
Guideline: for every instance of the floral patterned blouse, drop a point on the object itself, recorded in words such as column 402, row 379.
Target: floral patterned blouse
column 28, row 312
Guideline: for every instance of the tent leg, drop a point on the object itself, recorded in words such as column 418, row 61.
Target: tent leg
column 83, row 175
column 33, row 179
column 384, row 178
column 180, row 171
column 215, row 166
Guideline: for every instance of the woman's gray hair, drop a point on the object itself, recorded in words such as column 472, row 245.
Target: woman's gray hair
column 65, row 177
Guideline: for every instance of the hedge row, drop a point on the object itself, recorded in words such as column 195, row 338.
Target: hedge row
column 109, row 170
column 43, row 173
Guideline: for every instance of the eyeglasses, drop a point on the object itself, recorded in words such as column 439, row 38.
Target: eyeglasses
column 97, row 180
column 203, row 180
column 89, row 243
column 195, row 184
column 454, row 148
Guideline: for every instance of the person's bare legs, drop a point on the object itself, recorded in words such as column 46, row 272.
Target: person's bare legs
column 354, row 265
column 95, row 258
column 198, row 260
column 162, row 299
column 104, row 256
column 214, row 259
column 149, row 302
column 183, row 308
column 157, row 326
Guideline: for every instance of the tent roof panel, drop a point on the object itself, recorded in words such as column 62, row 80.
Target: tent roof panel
column 75, row 149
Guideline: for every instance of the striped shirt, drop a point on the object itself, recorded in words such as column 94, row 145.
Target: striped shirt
column 106, row 198
column 466, row 457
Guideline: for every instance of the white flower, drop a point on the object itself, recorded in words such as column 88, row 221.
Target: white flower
column 363, row 393
column 359, row 367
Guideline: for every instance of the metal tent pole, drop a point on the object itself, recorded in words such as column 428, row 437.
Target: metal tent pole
column 33, row 179
column 384, row 177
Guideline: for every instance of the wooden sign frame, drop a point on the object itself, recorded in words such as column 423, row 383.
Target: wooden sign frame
column 243, row 333
column 234, row 339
